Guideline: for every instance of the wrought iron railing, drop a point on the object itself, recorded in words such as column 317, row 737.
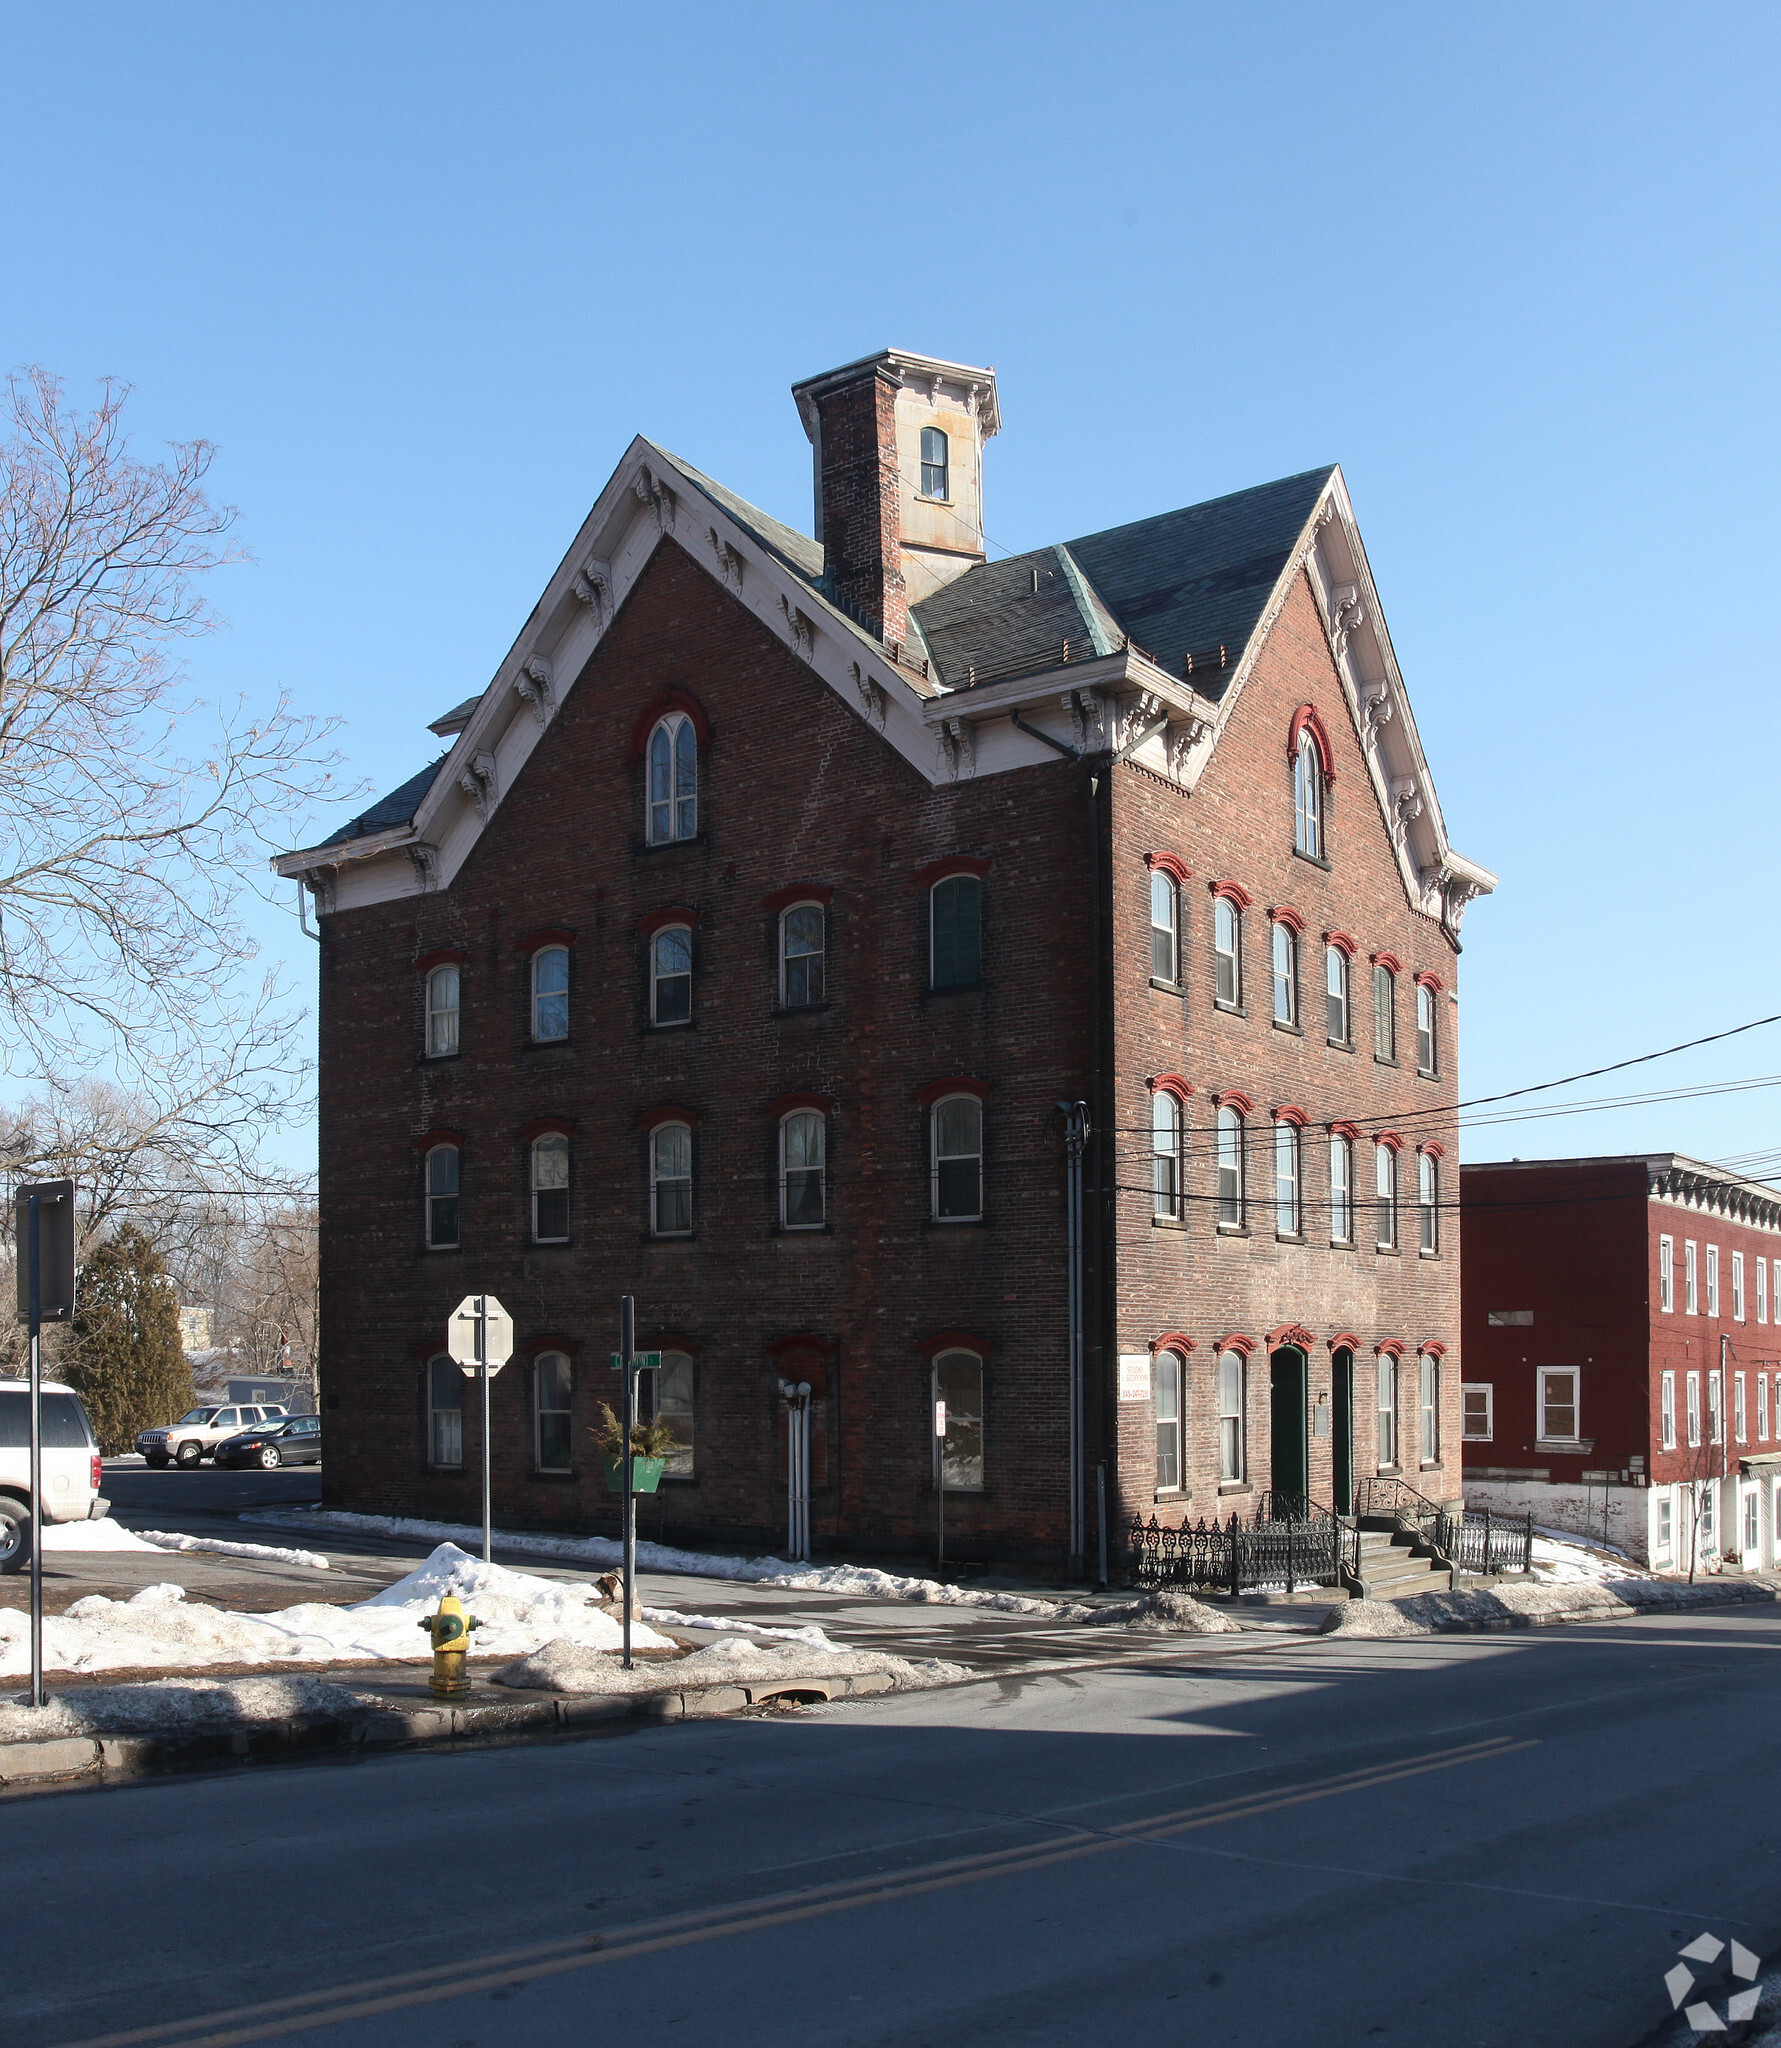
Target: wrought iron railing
column 1464, row 1539
column 1287, row 1543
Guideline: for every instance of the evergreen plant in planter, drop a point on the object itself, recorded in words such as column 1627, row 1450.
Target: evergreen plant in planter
column 652, row 1445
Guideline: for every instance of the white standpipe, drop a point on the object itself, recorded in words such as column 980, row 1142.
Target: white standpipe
column 796, row 1396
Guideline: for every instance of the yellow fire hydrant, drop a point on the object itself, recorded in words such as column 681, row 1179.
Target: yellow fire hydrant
column 450, row 1629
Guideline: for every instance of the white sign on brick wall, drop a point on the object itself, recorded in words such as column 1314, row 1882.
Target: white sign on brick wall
column 1134, row 1375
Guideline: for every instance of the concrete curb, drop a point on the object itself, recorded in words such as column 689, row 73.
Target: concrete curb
column 106, row 1759
column 1475, row 1611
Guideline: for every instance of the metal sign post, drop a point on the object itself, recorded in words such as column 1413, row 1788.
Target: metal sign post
column 480, row 1337
column 43, row 1237
column 630, row 1361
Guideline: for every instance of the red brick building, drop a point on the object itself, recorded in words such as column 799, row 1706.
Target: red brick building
column 746, row 950
column 1622, row 1344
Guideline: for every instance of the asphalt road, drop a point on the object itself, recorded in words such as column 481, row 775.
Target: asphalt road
column 1480, row 1839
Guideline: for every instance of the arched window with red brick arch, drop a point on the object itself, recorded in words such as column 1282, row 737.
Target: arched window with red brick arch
column 1313, row 772
column 1168, row 1126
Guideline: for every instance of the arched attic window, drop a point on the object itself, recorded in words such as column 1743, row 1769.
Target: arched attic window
column 673, row 779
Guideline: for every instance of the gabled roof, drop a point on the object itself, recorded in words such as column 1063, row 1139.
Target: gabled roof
column 398, row 808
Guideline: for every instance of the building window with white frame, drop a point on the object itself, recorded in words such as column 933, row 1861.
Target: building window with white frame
column 1307, row 798
column 957, row 1127
column 1666, row 1526
column 1165, row 1154
column 1712, row 1280
column 1428, row 1202
column 1385, row 1014
column 1762, row 1290
column 936, row 463
column 1740, row 1409
column 1385, row 1193
column 1558, row 1405
column 1227, row 954
column 1666, row 1412
column 445, row 1414
column 1431, row 1409
column 1426, row 1044
column 1762, row 1407
column 1708, row 1499
column 1230, row 1168
column 444, row 993
column 1286, row 973
column 1341, row 1189
column 1288, row 1221
column 803, row 1152
column 1232, row 1373
column 1335, row 976
column 1388, row 1412
column 958, row 1381
column 550, row 994
column 1477, row 1423
column 955, row 932
column 1715, row 1408
column 673, row 780
column 1737, row 1287
column 1694, row 1411
column 1165, row 927
column 552, row 1444
column 550, row 1189
column 1167, row 1399
column 671, row 975
column 671, row 1180
column 1691, row 1289
column 442, row 1198
column 1666, row 1274
column 802, row 954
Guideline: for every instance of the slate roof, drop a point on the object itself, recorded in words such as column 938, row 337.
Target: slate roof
column 1182, row 583
column 796, row 550
column 398, row 808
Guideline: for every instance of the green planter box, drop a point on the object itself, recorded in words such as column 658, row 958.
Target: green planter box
column 646, row 1474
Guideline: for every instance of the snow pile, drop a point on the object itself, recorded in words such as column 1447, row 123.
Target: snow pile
column 1164, row 1612
column 1375, row 1618
column 669, row 1618
column 176, row 1704
column 563, row 1667
column 605, row 1552
column 1560, row 1560
column 162, row 1539
column 158, row 1629
column 102, row 1535
column 1534, row 1605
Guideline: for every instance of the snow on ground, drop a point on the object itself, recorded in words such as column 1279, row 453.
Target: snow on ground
column 157, row 1627
column 669, row 1618
column 174, row 1704
column 605, row 1552
column 1560, row 1560
column 162, row 1539
column 563, row 1667
column 102, row 1535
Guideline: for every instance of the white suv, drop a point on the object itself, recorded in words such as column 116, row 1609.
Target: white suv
column 71, row 1475
column 191, row 1439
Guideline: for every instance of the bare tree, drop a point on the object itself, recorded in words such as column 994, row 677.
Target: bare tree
column 133, row 819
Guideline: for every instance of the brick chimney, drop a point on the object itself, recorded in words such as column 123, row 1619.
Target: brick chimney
column 891, row 532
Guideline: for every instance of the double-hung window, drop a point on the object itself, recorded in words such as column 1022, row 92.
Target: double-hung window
column 551, row 1384
column 550, row 994
column 1428, row 1202
column 957, row 1141
column 1712, row 1280
column 1230, row 1168
column 1165, row 926
column 1762, row 1407
column 1341, row 1190
column 445, row 1414
column 1227, row 953
column 442, row 1197
column 444, row 987
column 1385, row 1193
column 1694, row 1411
column 1431, row 1409
column 550, row 1188
column 674, row 1406
column 802, row 956
column 1715, row 1408
column 1388, row 1411
column 671, row 1180
column 1476, row 1421
column 671, row 975
column 1425, row 1028
column 1286, row 973
column 1165, row 1154
column 673, row 780
column 1762, row 1290
column 1691, row 1285
column 936, row 463
column 1740, row 1409
column 1385, row 1017
column 1737, row 1287
column 1335, row 974
column 1666, row 1274
column 1288, row 1221
column 1168, row 1421
column 803, row 1169
column 1558, row 1405
column 1307, row 798
column 958, row 1381
column 1231, row 1373
column 956, row 932
column 1666, row 1415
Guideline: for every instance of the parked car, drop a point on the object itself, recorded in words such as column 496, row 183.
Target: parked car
column 196, row 1434
column 71, row 1474
column 295, row 1441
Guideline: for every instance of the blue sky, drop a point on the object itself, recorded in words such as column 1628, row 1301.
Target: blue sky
column 423, row 271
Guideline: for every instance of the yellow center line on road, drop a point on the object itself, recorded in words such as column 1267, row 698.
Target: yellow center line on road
column 365, row 2000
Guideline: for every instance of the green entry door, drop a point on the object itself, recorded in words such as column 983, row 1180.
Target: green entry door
column 1291, row 1470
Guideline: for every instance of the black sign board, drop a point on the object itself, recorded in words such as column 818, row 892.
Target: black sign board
column 54, row 1203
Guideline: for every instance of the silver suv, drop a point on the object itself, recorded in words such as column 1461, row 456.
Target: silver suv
column 196, row 1434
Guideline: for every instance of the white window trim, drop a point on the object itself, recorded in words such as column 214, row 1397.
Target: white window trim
column 1289, row 1219
column 1335, row 962
column 1231, row 1121
column 1171, row 1361
column 1693, row 1391
column 454, row 1011
column 1160, row 878
column 1283, row 945
column 1488, row 1389
column 1739, row 1302
column 1225, row 907
column 1691, row 1277
column 1713, row 1280
column 656, row 1023
column 1666, row 1412
column 1666, row 1274
column 1386, row 1199
column 1344, row 1211
column 1559, row 1372
column 1240, row 1476
column 670, row 723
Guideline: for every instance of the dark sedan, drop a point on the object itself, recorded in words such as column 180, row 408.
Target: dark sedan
column 295, row 1441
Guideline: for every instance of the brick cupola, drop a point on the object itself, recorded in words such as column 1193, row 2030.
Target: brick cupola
column 898, row 456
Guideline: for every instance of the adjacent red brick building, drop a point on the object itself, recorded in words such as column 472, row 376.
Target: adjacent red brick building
column 1622, row 1339
column 754, row 943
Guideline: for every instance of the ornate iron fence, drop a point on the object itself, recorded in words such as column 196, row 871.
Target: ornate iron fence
column 1465, row 1539
column 1288, row 1542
